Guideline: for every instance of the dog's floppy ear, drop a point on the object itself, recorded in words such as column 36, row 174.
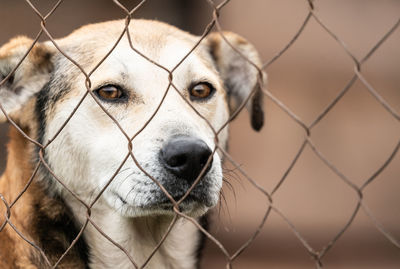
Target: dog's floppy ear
column 240, row 77
column 28, row 79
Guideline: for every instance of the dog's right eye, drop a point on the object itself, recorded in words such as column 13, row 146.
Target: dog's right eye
column 110, row 93
column 201, row 91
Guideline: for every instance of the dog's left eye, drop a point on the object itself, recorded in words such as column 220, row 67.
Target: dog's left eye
column 110, row 93
column 201, row 90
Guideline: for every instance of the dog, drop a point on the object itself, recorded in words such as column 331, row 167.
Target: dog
column 90, row 150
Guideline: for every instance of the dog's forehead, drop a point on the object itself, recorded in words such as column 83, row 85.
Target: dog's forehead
column 150, row 42
column 155, row 40
column 158, row 60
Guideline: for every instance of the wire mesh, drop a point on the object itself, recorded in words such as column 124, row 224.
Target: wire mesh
column 316, row 254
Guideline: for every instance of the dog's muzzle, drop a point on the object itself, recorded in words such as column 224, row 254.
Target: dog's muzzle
column 180, row 161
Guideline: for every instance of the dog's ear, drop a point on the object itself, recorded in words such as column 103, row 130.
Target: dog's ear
column 28, row 79
column 240, row 77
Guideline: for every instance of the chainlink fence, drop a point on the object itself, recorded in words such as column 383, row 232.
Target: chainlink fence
column 317, row 254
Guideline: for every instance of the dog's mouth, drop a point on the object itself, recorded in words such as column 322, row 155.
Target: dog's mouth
column 191, row 204
column 167, row 203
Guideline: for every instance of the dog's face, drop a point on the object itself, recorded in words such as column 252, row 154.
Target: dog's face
column 92, row 151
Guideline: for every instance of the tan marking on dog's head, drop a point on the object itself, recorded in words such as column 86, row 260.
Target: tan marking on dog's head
column 17, row 44
column 38, row 56
column 28, row 79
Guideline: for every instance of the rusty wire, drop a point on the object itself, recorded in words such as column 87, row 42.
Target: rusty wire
column 270, row 207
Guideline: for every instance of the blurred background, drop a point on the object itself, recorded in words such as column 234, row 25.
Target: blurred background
column 357, row 136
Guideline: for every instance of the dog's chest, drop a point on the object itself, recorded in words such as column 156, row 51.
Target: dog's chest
column 136, row 240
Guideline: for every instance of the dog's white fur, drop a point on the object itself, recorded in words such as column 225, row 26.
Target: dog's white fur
column 91, row 147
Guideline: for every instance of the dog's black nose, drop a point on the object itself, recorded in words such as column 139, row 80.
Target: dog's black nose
column 185, row 157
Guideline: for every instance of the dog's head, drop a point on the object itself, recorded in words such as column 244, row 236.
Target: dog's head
column 178, row 141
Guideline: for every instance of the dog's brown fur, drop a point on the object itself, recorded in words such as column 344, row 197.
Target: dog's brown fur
column 35, row 215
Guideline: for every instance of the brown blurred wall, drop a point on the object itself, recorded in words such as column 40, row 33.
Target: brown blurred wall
column 357, row 136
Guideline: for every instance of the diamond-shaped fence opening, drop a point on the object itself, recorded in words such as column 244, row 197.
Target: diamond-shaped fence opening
column 317, row 187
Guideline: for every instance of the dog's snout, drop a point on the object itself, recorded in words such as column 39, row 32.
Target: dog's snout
column 185, row 157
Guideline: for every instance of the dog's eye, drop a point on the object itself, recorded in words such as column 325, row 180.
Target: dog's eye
column 201, row 91
column 110, row 93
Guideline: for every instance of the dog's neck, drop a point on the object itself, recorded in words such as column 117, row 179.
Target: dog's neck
column 138, row 237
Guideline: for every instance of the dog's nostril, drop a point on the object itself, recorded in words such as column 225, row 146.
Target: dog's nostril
column 185, row 157
column 178, row 160
column 204, row 158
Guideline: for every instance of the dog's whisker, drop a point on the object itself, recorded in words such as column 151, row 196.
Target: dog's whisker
column 232, row 174
column 124, row 169
column 231, row 188
column 225, row 210
column 131, row 190
column 128, row 176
